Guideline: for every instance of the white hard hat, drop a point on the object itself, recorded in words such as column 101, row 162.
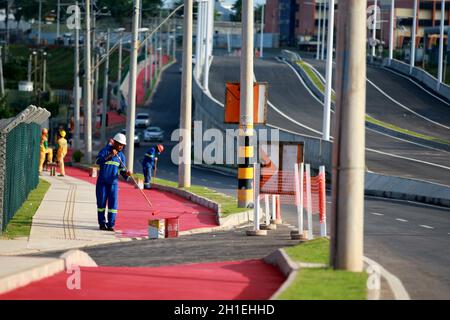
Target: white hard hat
column 120, row 138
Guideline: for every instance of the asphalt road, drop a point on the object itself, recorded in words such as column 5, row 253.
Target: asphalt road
column 387, row 95
column 418, row 255
column 384, row 154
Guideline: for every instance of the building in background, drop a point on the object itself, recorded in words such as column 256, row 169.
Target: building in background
column 297, row 21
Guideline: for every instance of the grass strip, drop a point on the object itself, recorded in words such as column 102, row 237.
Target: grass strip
column 20, row 225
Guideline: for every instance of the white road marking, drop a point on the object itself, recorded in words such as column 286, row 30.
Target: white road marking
column 410, row 159
column 401, row 220
column 377, row 214
column 405, row 107
column 425, row 226
column 427, row 91
column 407, row 141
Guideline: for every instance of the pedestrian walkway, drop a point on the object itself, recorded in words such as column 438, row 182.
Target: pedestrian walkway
column 134, row 212
column 235, row 280
column 67, row 216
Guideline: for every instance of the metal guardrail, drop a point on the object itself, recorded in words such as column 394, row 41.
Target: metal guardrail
column 19, row 159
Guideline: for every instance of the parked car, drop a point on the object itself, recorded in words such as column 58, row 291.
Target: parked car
column 153, row 134
column 142, row 120
column 137, row 137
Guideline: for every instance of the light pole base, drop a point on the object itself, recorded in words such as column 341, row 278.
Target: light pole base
column 271, row 226
column 256, row 233
column 295, row 235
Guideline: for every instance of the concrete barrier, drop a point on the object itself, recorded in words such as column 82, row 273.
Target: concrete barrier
column 406, row 189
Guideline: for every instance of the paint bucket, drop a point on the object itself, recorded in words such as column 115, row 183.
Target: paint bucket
column 156, row 229
column 93, row 172
column 140, row 184
column 172, row 227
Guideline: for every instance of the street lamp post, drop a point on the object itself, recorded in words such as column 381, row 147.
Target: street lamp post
column 441, row 44
column 88, row 86
column 322, row 53
column 131, row 112
column 245, row 167
column 347, row 231
column 261, row 39
column 184, row 167
column 76, row 111
column 413, row 39
column 391, row 32
column 318, row 32
column 105, row 91
column 329, row 72
column 119, row 73
column 44, row 71
column 374, row 31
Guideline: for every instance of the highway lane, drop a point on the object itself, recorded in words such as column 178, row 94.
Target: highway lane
column 380, row 107
column 292, row 98
column 398, row 246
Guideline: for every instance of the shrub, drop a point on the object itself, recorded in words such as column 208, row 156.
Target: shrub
column 77, row 155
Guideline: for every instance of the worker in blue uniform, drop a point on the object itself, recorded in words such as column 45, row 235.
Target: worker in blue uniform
column 149, row 163
column 111, row 161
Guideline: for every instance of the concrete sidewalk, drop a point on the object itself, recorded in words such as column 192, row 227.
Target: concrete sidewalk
column 65, row 219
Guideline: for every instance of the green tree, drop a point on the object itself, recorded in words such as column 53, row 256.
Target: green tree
column 5, row 109
column 237, row 8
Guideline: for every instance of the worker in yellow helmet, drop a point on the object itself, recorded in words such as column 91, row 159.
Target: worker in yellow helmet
column 44, row 150
column 62, row 151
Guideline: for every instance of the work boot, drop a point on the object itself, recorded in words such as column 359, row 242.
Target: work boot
column 109, row 228
column 103, row 228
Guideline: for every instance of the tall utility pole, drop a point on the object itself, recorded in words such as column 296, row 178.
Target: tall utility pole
column 374, row 31
column 152, row 49
column 2, row 82
column 76, row 82
column 174, row 39
column 245, row 167
column 146, row 61
column 131, row 112
column 198, row 41
column 30, row 63
column 88, row 86
column 348, row 148
column 44, row 72
column 209, row 3
column 322, row 52
column 329, row 73
column 105, row 92
column 57, row 19
column 35, row 70
column 441, row 43
column 318, row 32
column 413, row 39
column 391, row 32
column 261, row 39
column 119, row 67
column 39, row 23
column 95, row 90
column 184, row 167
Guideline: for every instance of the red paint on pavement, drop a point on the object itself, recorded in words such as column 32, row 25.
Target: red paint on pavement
column 140, row 88
column 236, row 280
column 134, row 211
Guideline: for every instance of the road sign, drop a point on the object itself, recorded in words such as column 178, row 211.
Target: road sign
column 232, row 102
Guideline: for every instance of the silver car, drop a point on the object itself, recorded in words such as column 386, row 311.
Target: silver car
column 153, row 134
column 137, row 137
column 142, row 120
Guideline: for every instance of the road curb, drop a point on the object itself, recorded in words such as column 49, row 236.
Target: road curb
column 289, row 268
column 41, row 268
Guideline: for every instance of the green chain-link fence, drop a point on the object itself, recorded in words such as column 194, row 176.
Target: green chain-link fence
column 19, row 160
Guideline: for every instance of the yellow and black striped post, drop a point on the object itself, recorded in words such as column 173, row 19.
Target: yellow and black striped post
column 245, row 169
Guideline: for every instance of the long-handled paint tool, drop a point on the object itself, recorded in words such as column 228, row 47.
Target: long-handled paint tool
column 137, row 185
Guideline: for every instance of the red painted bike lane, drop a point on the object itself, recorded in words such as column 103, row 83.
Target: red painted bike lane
column 134, row 212
column 235, row 280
